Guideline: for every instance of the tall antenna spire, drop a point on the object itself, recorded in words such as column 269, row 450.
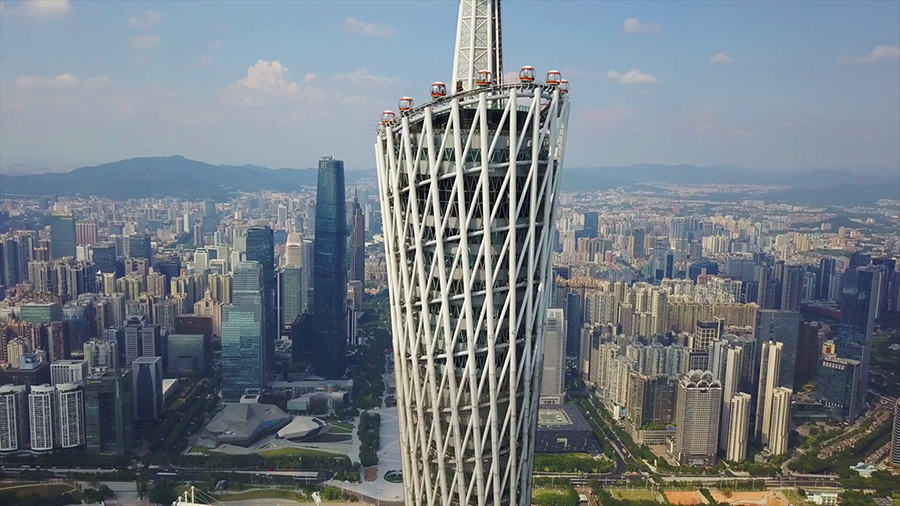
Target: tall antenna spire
column 479, row 43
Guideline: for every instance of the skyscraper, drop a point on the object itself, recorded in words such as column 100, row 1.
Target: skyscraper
column 781, row 327
column 730, row 380
column 68, row 371
column 62, row 236
column 358, row 244
column 554, row 375
column 40, row 404
column 469, row 185
column 697, row 415
column 824, row 278
column 293, row 250
column 779, row 425
column 330, row 270
column 261, row 249
column 146, row 373
column 769, row 367
column 107, row 411
column 792, row 287
column 738, row 427
column 14, row 426
column 293, row 294
column 242, row 333
column 859, row 304
column 70, row 413
column 895, row 436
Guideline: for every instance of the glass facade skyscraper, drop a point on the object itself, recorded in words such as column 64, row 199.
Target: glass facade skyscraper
column 62, row 236
column 261, row 249
column 330, row 270
column 242, row 333
column 292, row 290
column 860, row 294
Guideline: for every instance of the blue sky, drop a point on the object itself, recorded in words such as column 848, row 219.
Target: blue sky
column 757, row 84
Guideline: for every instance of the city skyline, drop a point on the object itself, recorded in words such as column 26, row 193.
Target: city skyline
column 709, row 85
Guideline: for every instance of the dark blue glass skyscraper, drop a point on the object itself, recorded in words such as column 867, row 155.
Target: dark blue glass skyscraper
column 62, row 236
column 330, row 270
column 859, row 303
column 261, row 249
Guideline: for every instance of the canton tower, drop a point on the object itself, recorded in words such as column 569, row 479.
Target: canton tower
column 469, row 184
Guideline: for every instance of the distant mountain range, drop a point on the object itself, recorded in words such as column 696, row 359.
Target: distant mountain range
column 177, row 176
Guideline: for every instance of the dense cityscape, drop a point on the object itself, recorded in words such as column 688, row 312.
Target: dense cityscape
column 470, row 323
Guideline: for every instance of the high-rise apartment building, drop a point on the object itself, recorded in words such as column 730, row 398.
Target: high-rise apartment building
column 142, row 338
column 41, row 410
column 779, row 425
column 469, row 185
column 730, row 379
column 769, row 367
column 243, row 352
column 147, row 376
column 15, row 429
column 85, row 232
column 698, row 410
column 330, row 270
column 792, row 287
column 554, row 375
column 68, row 371
column 62, row 236
column 101, row 353
column 895, row 435
column 70, row 415
column 738, row 427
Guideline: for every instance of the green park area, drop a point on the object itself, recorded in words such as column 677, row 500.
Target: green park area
column 572, row 463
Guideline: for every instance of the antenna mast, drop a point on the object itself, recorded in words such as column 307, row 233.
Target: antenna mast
column 479, row 44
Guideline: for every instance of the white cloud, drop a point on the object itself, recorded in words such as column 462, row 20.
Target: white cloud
column 377, row 30
column 214, row 45
column 266, row 78
column 144, row 41
column 59, row 82
column 43, row 9
column 722, row 57
column 363, row 77
column 880, row 53
column 633, row 26
column 145, row 21
column 633, row 76
column 739, row 132
column 308, row 78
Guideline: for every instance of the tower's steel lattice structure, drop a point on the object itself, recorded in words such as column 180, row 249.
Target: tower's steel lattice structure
column 469, row 186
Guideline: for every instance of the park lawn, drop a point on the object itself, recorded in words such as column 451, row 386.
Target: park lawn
column 42, row 489
column 295, row 452
column 629, row 494
column 260, row 494
column 199, row 449
column 341, row 428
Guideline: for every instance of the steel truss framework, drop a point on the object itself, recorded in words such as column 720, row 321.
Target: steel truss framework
column 469, row 186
